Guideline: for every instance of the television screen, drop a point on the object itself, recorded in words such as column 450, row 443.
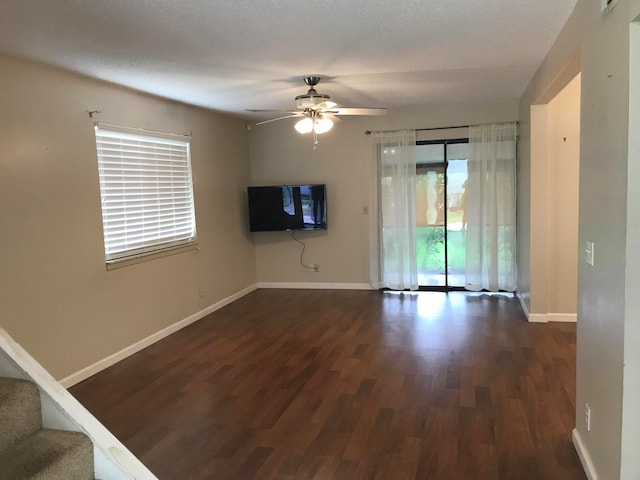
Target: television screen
column 287, row 207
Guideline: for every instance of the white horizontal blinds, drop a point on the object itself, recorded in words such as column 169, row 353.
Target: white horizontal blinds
column 146, row 190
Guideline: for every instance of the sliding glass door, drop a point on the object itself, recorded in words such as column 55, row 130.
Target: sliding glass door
column 430, row 215
column 440, row 212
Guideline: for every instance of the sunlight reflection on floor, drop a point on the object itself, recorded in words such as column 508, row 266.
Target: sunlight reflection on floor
column 431, row 320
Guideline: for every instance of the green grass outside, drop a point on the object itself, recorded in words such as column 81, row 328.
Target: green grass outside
column 430, row 250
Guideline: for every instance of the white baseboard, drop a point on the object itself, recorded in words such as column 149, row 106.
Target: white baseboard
column 151, row 339
column 583, row 454
column 522, row 304
column 316, row 286
column 563, row 317
column 553, row 317
column 545, row 317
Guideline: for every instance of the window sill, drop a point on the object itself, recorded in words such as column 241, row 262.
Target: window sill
column 145, row 257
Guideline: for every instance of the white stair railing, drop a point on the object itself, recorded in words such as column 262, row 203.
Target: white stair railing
column 60, row 410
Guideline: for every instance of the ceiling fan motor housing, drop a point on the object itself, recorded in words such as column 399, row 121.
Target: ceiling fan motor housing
column 312, row 97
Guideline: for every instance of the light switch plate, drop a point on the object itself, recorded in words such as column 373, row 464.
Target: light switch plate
column 589, row 253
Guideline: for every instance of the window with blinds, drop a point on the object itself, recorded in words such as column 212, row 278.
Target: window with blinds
column 146, row 190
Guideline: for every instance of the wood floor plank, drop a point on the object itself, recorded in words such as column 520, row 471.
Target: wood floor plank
column 306, row 384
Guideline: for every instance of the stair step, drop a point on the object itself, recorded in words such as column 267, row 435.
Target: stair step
column 49, row 455
column 20, row 414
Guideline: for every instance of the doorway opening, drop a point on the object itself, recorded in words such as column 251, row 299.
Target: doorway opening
column 554, row 205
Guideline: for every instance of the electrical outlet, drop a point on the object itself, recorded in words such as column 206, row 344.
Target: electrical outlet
column 315, row 267
column 587, row 416
column 365, row 210
column 201, row 293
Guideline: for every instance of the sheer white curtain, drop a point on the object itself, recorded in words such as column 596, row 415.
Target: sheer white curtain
column 393, row 210
column 491, row 208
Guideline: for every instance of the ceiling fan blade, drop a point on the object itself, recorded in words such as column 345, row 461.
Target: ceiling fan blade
column 269, row 110
column 280, row 118
column 357, row 111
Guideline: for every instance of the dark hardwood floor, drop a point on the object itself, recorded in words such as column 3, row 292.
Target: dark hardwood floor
column 312, row 384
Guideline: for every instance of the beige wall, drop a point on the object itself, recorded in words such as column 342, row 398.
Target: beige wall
column 57, row 299
column 539, row 213
column 602, row 45
column 342, row 161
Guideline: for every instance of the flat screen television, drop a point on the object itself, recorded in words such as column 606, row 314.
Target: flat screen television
column 287, row 207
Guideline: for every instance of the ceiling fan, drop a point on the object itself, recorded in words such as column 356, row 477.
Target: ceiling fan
column 317, row 111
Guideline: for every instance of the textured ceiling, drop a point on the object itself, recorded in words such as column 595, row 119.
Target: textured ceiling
column 230, row 55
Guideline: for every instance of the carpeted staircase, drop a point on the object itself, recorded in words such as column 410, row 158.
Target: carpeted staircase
column 30, row 452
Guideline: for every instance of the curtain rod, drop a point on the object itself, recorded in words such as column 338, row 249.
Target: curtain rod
column 369, row 132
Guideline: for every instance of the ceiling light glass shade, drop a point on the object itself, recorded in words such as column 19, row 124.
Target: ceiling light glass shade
column 311, row 100
column 305, row 125
column 323, row 125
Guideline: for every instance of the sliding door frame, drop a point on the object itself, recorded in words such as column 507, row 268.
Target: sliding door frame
column 445, row 164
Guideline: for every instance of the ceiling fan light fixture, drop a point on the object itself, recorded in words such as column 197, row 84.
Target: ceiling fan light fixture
column 323, row 125
column 304, row 126
column 316, row 112
column 315, row 125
